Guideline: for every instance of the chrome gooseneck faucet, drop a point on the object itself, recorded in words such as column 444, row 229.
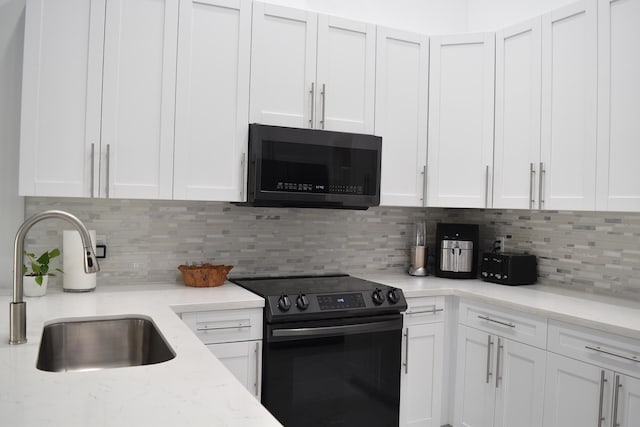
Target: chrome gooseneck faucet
column 17, row 307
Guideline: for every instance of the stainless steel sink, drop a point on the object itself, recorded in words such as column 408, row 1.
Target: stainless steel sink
column 102, row 343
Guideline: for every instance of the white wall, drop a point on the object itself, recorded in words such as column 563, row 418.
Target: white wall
column 491, row 15
column 420, row 16
column 11, row 206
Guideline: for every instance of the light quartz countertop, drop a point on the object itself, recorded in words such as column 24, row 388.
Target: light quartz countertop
column 603, row 313
column 195, row 389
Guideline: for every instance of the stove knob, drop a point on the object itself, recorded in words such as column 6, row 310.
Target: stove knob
column 284, row 303
column 378, row 296
column 393, row 295
column 302, row 302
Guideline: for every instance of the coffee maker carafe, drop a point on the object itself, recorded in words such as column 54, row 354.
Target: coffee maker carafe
column 457, row 251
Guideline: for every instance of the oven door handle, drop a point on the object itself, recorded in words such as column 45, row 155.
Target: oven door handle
column 360, row 328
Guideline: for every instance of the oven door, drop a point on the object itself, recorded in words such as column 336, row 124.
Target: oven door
column 334, row 373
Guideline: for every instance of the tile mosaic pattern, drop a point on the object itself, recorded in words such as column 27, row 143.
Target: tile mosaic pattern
column 595, row 252
column 147, row 240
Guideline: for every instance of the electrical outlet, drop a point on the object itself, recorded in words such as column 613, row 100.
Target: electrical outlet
column 500, row 244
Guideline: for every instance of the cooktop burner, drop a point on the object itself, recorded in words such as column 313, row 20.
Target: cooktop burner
column 297, row 298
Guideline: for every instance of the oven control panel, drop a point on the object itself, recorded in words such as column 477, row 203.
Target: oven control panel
column 301, row 306
column 340, row 301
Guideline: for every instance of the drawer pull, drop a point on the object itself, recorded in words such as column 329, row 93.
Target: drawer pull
column 222, row 328
column 509, row 324
column 432, row 311
column 610, row 353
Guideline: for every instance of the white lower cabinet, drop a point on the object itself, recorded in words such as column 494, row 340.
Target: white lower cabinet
column 422, row 363
column 592, row 378
column 580, row 394
column 499, row 382
column 235, row 338
column 243, row 359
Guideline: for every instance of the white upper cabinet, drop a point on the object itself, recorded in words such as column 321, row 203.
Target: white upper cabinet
column 139, row 98
column 99, row 85
column 618, row 105
column 283, row 66
column 569, row 100
column 212, row 100
column 461, row 108
column 402, row 80
column 517, row 124
column 61, row 94
column 345, row 75
column 310, row 70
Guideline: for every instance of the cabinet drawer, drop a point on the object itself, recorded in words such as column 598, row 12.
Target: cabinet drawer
column 424, row 310
column 606, row 350
column 225, row 325
column 523, row 327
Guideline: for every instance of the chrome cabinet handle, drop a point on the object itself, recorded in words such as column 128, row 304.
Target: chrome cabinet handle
column 313, row 102
column 432, row 311
column 221, row 328
column 257, row 383
column 542, row 173
column 486, row 187
column 616, row 396
column 487, row 318
column 243, row 162
column 108, row 166
column 532, row 178
column 611, row 353
column 498, row 351
column 424, row 185
column 324, row 103
column 406, row 351
column 93, row 168
column 602, row 381
column 489, row 344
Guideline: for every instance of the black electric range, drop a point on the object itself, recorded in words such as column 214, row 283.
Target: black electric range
column 331, row 353
column 297, row 298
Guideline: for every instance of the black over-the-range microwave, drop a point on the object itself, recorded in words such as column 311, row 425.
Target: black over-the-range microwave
column 312, row 168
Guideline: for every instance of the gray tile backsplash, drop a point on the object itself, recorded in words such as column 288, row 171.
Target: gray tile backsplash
column 147, row 240
column 596, row 252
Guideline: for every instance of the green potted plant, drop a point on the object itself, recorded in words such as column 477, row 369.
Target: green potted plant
column 36, row 272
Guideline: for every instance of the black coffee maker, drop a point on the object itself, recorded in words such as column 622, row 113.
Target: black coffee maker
column 457, row 250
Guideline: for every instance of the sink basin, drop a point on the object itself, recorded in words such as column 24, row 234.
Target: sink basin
column 101, row 343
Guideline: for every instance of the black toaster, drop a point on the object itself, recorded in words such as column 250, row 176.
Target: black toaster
column 509, row 268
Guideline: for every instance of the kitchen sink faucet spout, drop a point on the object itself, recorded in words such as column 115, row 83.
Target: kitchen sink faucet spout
column 17, row 307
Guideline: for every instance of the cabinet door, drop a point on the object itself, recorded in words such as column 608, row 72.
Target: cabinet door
column 569, row 97
column 627, row 413
column 139, row 98
column 61, row 95
column 461, row 95
column 517, row 129
column 243, row 359
column 283, row 66
column 212, row 99
column 577, row 394
column 618, row 105
column 475, row 377
column 402, row 79
column 520, row 373
column 421, row 382
column 346, row 75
